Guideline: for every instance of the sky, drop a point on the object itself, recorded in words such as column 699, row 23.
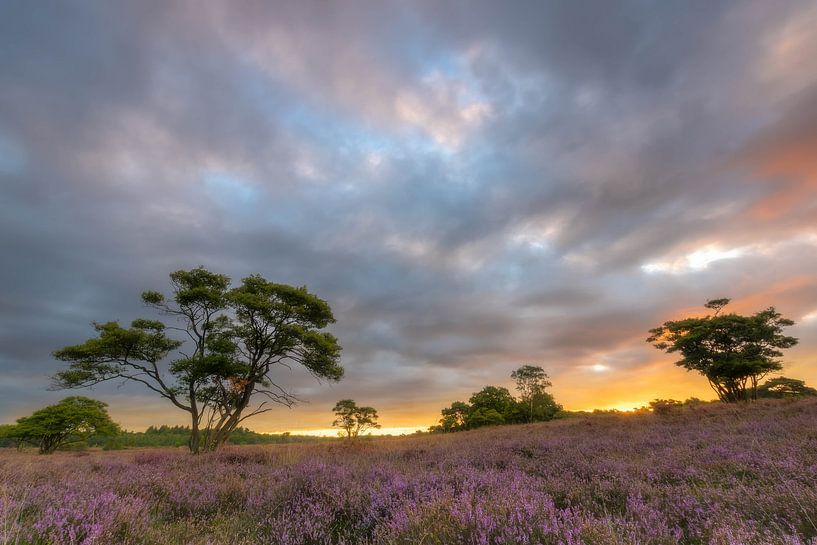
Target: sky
column 472, row 186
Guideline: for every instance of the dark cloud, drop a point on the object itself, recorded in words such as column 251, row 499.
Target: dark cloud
column 470, row 186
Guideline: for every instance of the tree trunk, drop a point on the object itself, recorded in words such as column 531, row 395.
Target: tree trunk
column 195, row 439
column 195, row 433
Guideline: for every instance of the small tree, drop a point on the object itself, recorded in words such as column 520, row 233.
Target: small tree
column 782, row 387
column 536, row 403
column 732, row 351
column 352, row 419
column 72, row 420
column 237, row 340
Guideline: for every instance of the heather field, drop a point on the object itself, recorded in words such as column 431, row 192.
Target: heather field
column 713, row 474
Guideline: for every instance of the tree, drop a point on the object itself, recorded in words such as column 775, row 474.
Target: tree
column 495, row 405
column 454, row 417
column 353, row 419
column 543, row 406
column 72, row 420
column 732, row 351
column 536, row 402
column 238, row 338
column 491, row 398
column 484, row 416
column 7, row 438
column 781, row 387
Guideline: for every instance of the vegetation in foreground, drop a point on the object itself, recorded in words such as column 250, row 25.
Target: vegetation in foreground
column 698, row 474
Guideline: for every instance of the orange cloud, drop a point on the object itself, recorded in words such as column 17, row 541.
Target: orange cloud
column 786, row 153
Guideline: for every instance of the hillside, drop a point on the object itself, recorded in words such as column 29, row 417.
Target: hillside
column 712, row 474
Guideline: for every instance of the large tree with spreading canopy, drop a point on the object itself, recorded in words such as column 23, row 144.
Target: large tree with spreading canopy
column 71, row 421
column 732, row 351
column 235, row 340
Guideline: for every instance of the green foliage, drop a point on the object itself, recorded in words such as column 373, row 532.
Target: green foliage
column 352, row 419
column 179, row 436
column 782, row 387
column 495, row 405
column 239, row 337
column 109, row 355
column 540, row 407
column 68, row 422
column 483, row 416
column 530, row 380
column 536, row 403
column 7, row 438
column 296, row 316
column 495, row 398
column 732, row 351
column 454, row 417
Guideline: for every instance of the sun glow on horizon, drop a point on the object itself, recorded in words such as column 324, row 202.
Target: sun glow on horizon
column 625, row 407
column 333, row 432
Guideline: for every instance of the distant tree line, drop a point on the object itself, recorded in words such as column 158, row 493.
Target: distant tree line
column 495, row 405
column 99, row 432
column 179, row 436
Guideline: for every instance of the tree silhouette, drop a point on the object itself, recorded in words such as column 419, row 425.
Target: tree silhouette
column 732, row 351
column 352, row 419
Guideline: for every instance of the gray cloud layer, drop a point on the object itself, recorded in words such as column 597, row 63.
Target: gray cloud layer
column 471, row 187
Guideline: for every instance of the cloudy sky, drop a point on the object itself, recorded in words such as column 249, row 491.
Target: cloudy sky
column 471, row 185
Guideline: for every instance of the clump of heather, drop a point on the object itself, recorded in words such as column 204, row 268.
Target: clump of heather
column 710, row 475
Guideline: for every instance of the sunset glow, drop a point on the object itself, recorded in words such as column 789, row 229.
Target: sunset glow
column 333, row 432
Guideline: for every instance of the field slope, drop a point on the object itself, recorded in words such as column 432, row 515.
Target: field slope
column 710, row 475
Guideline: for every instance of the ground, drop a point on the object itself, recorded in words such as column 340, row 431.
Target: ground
column 712, row 474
